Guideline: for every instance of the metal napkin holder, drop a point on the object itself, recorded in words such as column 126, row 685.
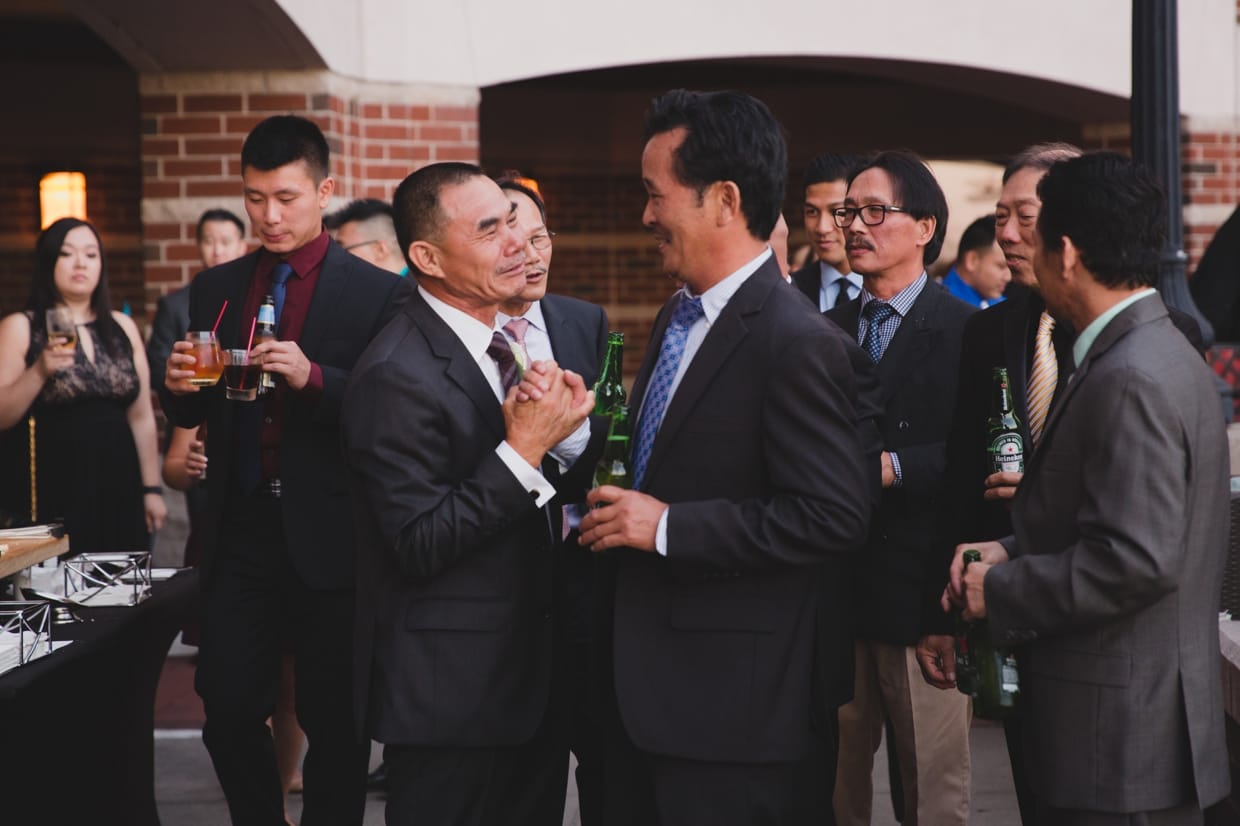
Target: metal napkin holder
column 88, row 575
column 32, row 624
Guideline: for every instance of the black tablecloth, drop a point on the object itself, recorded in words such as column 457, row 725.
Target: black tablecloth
column 76, row 726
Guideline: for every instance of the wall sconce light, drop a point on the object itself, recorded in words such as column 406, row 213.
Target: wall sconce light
column 62, row 195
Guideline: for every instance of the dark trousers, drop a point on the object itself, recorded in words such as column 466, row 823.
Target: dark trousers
column 255, row 610
column 643, row 789
column 520, row 785
column 1020, row 772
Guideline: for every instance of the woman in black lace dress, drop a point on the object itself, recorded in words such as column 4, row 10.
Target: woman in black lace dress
column 97, row 462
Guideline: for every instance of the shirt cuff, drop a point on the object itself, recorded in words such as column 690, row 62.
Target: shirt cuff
column 570, row 449
column 529, row 477
column 314, row 385
column 895, row 471
column 660, row 533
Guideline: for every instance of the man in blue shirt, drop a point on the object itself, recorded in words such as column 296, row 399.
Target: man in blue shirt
column 980, row 273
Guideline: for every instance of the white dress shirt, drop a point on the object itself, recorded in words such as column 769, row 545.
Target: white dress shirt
column 832, row 281
column 476, row 337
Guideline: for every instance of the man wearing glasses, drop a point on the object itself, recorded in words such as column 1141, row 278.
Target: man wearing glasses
column 573, row 333
column 365, row 228
column 894, row 219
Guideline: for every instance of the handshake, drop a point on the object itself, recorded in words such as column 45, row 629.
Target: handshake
column 544, row 409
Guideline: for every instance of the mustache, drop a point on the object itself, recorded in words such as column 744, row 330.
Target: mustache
column 860, row 245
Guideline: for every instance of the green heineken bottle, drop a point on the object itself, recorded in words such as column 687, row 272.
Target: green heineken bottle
column 613, row 468
column 1004, row 442
column 609, row 389
column 986, row 672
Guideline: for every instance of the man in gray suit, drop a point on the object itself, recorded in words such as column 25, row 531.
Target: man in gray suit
column 1111, row 578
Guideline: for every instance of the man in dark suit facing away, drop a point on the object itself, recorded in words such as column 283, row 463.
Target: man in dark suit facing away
column 277, row 548
column 458, row 637
column 894, row 220
column 748, row 477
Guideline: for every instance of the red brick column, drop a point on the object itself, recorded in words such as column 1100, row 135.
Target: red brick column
column 1211, row 181
column 193, row 127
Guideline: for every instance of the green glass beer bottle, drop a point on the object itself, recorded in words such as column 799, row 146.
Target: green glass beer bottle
column 994, row 678
column 1004, row 442
column 609, row 389
column 613, row 468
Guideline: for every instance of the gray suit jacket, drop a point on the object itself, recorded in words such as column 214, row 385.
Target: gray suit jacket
column 1120, row 536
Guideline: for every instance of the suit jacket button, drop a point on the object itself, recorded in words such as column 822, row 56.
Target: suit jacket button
column 903, row 425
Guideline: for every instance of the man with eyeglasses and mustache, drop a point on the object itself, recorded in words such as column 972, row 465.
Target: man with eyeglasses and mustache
column 543, row 326
column 894, row 218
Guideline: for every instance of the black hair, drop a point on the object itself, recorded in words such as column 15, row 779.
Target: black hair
column 512, row 181
column 220, row 215
column 826, row 168
column 730, row 137
column 1114, row 211
column 363, row 209
column 44, row 294
column 417, row 211
column 979, row 236
column 1040, row 156
column 915, row 190
column 283, row 139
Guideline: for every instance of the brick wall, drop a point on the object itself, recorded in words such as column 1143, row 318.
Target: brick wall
column 1211, row 182
column 193, row 127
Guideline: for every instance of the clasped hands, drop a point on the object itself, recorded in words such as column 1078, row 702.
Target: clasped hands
column 284, row 358
column 544, row 409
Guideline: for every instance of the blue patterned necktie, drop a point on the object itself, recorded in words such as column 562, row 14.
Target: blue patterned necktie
column 279, row 281
column 659, row 391
column 876, row 312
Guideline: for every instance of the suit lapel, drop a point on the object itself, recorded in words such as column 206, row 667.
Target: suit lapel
column 1016, row 322
column 459, row 366
column 569, row 343
column 233, row 290
column 1142, row 312
column 914, row 338
column 333, row 276
column 723, row 337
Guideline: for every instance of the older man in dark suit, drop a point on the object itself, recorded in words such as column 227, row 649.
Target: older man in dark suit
column 1120, row 528
column 894, row 218
column 277, row 551
column 749, row 480
column 457, row 629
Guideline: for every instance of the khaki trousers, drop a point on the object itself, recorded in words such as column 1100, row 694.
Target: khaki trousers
column 931, row 738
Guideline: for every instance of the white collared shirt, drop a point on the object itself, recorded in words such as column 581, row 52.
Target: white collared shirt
column 829, row 275
column 476, row 337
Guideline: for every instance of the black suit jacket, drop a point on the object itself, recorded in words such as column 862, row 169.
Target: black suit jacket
column 808, row 280
column 169, row 326
column 455, row 561
column 719, row 654
column 917, row 386
column 352, row 301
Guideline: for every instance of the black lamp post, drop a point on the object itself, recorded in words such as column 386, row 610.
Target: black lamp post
column 1156, row 136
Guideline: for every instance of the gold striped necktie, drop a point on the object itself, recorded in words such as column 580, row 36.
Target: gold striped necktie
column 1043, row 377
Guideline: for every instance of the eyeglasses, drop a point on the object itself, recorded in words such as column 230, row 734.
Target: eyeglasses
column 871, row 214
column 541, row 241
column 363, row 243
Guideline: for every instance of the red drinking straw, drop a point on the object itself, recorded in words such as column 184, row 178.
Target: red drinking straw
column 250, row 343
column 221, row 315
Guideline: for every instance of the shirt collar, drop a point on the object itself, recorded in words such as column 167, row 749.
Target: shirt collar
column 718, row 296
column 303, row 259
column 829, row 275
column 1090, row 334
column 475, row 335
column 533, row 315
column 902, row 301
